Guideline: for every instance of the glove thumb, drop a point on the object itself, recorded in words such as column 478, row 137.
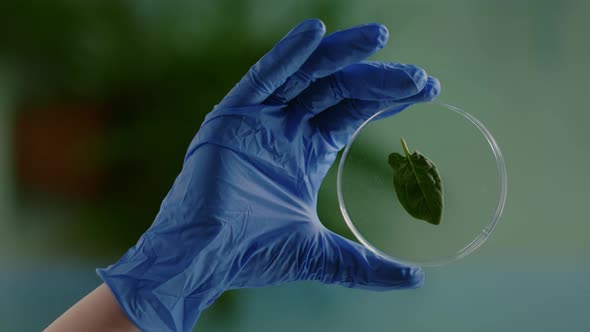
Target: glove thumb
column 349, row 264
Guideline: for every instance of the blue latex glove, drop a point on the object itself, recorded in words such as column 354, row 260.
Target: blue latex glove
column 242, row 212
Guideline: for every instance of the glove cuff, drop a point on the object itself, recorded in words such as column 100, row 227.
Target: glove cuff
column 151, row 294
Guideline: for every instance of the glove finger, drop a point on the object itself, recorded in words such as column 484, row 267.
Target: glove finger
column 271, row 71
column 366, row 81
column 337, row 124
column 349, row 264
column 335, row 52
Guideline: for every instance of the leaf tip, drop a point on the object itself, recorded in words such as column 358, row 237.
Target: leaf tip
column 435, row 220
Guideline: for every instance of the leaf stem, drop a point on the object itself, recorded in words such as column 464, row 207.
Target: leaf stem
column 405, row 146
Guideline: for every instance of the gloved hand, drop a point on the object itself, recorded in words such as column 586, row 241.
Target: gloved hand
column 242, row 212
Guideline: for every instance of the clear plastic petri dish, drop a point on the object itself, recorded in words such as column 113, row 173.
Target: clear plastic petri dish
column 473, row 173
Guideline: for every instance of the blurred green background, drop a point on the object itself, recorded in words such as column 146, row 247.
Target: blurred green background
column 99, row 100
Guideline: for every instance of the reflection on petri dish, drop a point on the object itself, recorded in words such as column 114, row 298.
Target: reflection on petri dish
column 471, row 167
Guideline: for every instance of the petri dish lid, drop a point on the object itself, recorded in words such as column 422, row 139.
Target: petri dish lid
column 473, row 173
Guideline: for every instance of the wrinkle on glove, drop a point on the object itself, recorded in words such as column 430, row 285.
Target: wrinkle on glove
column 242, row 211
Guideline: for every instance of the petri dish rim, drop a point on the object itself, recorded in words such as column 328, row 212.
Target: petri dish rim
column 482, row 236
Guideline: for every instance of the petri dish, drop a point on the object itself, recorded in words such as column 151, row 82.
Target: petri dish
column 473, row 173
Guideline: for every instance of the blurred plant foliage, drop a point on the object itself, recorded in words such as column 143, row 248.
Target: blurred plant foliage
column 156, row 68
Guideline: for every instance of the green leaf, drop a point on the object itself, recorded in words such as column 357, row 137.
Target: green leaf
column 418, row 185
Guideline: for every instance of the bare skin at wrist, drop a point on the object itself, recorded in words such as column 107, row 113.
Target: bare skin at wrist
column 97, row 311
